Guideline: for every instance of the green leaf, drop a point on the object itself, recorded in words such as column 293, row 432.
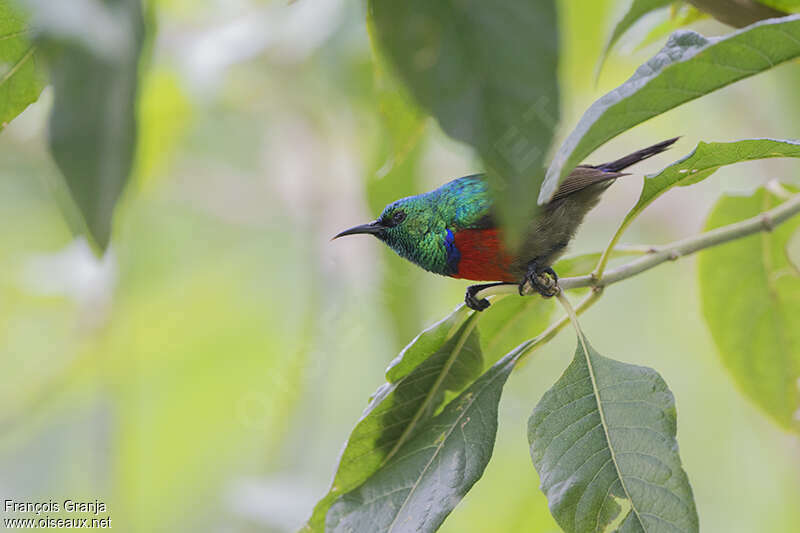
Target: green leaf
column 487, row 72
column 637, row 10
column 439, row 361
column 688, row 67
column 94, row 72
column 430, row 474
column 751, row 302
column 704, row 160
column 603, row 441
column 21, row 80
column 389, row 421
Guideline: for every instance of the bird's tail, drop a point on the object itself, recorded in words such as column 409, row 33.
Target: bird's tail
column 635, row 157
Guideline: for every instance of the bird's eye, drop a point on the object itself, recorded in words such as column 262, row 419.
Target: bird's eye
column 398, row 217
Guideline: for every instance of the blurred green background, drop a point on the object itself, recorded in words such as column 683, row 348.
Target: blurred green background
column 204, row 375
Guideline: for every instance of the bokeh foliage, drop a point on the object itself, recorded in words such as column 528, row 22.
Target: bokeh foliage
column 754, row 326
column 222, row 350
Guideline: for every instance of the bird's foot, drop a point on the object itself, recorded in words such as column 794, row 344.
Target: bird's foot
column 479, row 304
column 542, row 280
column 472, row 300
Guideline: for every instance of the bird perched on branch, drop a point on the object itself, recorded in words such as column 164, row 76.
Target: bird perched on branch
column 452, row 230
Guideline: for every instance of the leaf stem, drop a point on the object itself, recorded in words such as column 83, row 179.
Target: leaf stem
column 596, row 390
column 531, row 345
column 599, row 270
column 573, row 317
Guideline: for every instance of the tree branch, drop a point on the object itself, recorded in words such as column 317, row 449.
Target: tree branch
column 766, row 221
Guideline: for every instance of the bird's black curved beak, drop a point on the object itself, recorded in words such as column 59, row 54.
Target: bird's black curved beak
column 373, row 228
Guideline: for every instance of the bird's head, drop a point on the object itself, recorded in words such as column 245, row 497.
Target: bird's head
column 411, row 228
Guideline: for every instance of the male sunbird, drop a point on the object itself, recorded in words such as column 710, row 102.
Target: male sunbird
column 452, row 230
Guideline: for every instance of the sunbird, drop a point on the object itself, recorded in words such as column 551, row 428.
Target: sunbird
column 453, row 230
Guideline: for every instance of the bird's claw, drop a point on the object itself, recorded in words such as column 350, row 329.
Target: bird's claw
column 472, row 301
column 544, row 281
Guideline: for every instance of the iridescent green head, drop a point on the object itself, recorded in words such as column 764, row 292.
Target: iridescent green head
column 411, row 228
column 420, row 228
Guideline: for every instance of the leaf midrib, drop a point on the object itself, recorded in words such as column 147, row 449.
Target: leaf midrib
column 467, row 331
column 465, row 409
column 604, row 424
column 13, row 70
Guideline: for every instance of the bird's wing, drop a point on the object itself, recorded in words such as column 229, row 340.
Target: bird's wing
column 467, row 204
column 582, row 177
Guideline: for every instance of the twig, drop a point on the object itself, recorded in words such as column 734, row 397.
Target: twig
column 766, row 221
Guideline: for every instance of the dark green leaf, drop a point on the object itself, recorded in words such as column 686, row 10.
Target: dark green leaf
column 487, row 72
column 751, row 302
column 94, row 71
column 706, row 159
column 603, row 441
column 21, row 81
column 439, row 363
column 637, row 10
column 430, row 474
column 688, row 67
column 386, row 424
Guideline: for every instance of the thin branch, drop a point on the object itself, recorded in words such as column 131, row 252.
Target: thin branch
column 766, row 221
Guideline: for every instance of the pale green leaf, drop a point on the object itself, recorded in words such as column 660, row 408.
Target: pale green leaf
column 688, row 67
column 425, row 480
column 751, row 302
column 603, row 441
column 487, row 72
column 21, row 79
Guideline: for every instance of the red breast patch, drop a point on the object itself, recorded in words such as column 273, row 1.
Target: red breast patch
column 483, row 257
